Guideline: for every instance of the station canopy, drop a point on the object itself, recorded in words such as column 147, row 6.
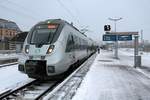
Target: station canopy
column 122, row 33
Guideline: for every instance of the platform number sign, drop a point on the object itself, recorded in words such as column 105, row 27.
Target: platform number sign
column 107, row 27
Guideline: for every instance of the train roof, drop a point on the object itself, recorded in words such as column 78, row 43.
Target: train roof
column 59, row 21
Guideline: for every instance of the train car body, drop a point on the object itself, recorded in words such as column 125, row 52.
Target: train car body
column 51, row 47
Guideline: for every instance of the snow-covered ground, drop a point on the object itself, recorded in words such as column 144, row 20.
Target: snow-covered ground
column 107, row 79
column 144, row 55
column 10, row 78
column 111, row 79
column 8, row 56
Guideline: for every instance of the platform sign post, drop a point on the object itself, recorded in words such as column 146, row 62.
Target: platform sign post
column 116, row 47
column 136, row 45
column 121, row 36
column 137, row 58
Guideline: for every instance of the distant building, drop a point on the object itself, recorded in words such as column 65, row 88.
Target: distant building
column 16, row 43
column 8, row 29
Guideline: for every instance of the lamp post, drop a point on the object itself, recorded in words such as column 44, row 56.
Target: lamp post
column 142, row 41
column 116, row 42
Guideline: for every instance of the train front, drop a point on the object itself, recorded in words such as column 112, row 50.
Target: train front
column 39, row 51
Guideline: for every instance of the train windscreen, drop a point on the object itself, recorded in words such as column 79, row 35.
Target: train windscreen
column 43, row 34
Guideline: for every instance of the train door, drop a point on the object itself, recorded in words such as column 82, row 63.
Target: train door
column 70, row 49
column 73, row 49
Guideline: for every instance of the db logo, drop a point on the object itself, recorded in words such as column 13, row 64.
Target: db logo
column 37, row 51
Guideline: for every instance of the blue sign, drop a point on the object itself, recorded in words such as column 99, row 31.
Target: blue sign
column 109, row 38
column 112, row 37
column 124, row 37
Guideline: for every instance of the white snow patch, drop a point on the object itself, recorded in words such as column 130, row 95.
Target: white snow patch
column 10, row 78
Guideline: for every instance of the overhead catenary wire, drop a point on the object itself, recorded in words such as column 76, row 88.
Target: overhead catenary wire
column 23, row 8
column 26, row 12
column 22, row 23
column 18, row 12
column 72, row 4
column 75, row 8
column 82, row 27
column 67, row 10
column 33, row 12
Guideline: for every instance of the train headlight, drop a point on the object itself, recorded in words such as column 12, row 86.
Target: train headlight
column 50, row 49
column 27, row 49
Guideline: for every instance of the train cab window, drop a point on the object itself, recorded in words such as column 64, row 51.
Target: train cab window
column 42, row 34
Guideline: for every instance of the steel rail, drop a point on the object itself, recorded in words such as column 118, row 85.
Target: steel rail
column 8, row 92
column 8, row 64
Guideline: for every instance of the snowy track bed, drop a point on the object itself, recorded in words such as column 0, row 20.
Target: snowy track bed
column 8, row 64
column 11, row 79
column 67, row 89
column 4, row 95
column 8, row 61
column 33, row 90
column 8, row 57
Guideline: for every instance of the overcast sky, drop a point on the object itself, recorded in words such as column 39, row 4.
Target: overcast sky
column 92, row 14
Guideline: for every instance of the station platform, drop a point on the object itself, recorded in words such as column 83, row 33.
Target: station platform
column 113, row 79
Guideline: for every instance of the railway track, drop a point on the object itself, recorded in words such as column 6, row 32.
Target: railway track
column 39, row 90
column 5, row 94
column 8, row 60
column 8, row 64
column 31, row 91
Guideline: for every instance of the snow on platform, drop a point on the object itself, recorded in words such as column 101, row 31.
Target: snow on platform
column 111, row 79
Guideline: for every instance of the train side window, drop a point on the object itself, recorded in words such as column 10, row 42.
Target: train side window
column 75, row 42
column 70, row 43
